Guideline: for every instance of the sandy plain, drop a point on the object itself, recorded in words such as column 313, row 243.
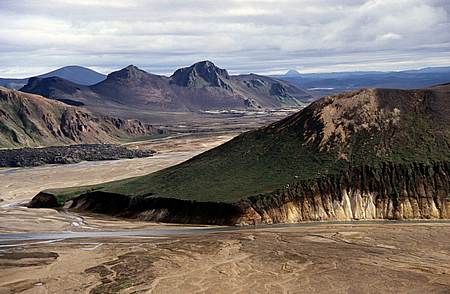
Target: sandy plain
column 322, row 258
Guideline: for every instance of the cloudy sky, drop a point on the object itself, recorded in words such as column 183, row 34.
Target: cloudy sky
column 265, row 36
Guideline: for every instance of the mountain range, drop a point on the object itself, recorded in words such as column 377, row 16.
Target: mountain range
column 366, row 154
column 320, row 84
column 34, row 121
column 73, row 73
column 201, row 86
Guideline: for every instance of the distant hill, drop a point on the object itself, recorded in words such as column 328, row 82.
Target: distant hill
column 367, row 154
column 320, row 84
column 292, row 73
column 32, row 120
column 201, row 86
column 76, row 74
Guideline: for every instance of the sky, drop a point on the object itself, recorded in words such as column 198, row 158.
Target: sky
column 265, row 36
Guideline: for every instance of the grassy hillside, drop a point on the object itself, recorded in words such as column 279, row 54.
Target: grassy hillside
column 366, row 127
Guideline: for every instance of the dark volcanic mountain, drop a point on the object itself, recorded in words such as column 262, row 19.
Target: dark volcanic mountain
column 57, row 87
column 368, row 154
column 32, row 120
column 201, row 86
column 134, row 87
column 76, row 74
column 201, row 74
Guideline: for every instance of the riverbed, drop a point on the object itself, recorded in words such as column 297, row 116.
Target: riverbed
column 317, row 258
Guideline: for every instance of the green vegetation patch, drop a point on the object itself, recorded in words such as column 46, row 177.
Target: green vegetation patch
column 250, row 164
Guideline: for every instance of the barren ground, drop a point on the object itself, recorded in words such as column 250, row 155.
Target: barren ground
column 325, row 258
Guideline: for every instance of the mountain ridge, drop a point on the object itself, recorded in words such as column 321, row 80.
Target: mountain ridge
column 28, row 120
column 201, row 86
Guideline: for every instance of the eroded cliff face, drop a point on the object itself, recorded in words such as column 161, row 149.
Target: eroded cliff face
column 410, row 191
column 390, row 191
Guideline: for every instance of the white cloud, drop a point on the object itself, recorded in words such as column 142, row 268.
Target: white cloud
column 389, row 37
column 258, row 36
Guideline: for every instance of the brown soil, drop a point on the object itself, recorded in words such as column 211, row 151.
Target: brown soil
column 390, row 258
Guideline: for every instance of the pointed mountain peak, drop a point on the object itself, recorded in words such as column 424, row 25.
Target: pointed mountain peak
column 204, row 63
column 201, row 74
column 128, row 73
column 131, row 67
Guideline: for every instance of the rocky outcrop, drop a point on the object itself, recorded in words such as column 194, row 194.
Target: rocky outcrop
column 22, row 157
column 43, row 200
column 391, row 191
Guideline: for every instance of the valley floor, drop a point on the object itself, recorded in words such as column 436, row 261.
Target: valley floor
column 321, row 258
